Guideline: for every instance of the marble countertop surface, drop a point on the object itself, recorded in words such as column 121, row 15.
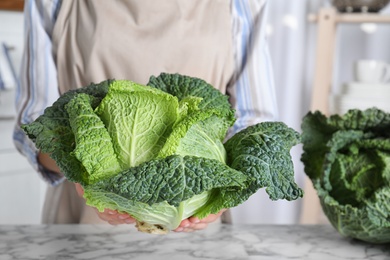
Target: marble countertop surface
column 260, row 242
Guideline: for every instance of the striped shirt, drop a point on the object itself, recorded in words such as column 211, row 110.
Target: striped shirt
column 252, row 94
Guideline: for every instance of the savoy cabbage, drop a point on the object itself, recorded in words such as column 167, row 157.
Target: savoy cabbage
column 347, row 157
column 157, row 152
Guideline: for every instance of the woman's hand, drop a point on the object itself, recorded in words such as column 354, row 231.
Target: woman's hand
column 111, row 216
column 192, row 224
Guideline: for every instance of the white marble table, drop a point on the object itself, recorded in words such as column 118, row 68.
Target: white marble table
column 217, row 242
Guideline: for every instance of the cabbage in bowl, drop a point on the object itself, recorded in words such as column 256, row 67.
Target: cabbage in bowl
column 348, row 160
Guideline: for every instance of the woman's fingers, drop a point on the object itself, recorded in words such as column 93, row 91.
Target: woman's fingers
column 193, row 223
column 114, row 217
column 111, row 216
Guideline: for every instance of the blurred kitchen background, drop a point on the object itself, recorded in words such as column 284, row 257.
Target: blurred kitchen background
column 309, row 74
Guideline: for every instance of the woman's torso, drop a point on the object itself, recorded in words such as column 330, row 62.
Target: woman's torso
column 96, row 40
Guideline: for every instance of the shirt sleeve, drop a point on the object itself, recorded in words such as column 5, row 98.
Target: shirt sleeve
column 38, row 87
column 252, row 90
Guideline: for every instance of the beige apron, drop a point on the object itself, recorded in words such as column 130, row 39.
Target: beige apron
column 94, row 40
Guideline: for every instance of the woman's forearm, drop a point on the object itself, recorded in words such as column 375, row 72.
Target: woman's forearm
column 47, row 162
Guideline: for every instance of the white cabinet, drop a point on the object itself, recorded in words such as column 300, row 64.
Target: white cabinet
column 21, row 189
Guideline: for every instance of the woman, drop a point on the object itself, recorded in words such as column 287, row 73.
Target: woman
column 70, row 44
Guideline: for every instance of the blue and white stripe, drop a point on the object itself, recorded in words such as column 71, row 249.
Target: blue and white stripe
column 253, row 92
